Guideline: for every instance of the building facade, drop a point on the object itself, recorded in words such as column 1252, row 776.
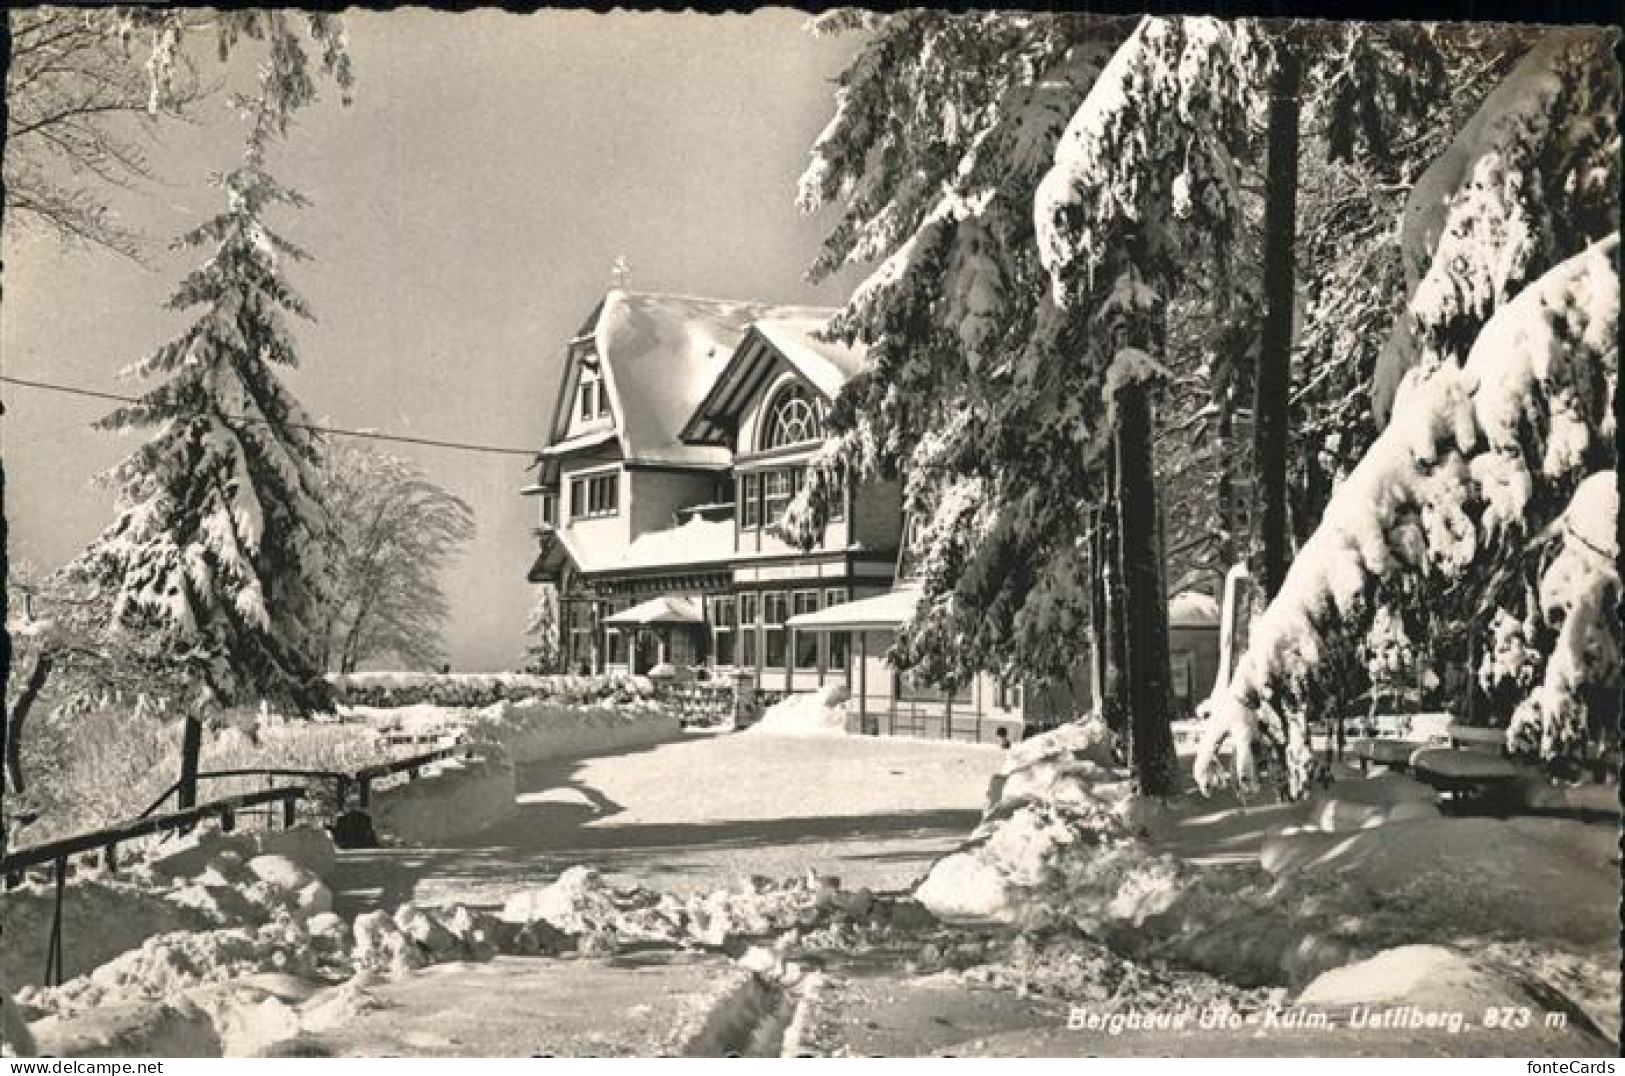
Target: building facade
column 682, row 430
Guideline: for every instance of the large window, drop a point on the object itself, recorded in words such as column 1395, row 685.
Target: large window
column 777, row 489
column 582, row 625
column 750, row 505
column 839, row 646
column 792, row 418
column 806, row 601
column 722, row 631
column 748, row 607
column 594, row 495
column 774, row 606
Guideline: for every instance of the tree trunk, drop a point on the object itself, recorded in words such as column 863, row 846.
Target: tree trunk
column 1146, row 610
column 38, row 674
column 1113, row 704
column 1098, row 618
column 191, row 754
column 1272, row 384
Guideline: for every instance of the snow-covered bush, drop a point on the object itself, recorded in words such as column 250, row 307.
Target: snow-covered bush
column 393, row 689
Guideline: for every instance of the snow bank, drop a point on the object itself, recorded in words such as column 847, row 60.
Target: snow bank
column 101, row 918
column 202, row 880
column 1058, row 817
column 141, row 1029
column 1365, row 867
column 809, row 713
column 254, row 986
column 1434, row 976
column 451, row 799
column 532, row 730
column 1520, row 878
column 535, row 730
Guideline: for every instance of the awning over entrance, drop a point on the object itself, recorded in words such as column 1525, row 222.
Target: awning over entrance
column 666, row 609
column 881, row 612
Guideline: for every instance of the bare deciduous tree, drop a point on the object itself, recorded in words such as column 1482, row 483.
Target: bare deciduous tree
column 87, row 88
column 394, row 531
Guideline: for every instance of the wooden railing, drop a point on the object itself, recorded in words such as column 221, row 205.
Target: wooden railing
column 226, row 809
column 344, row 782
column 106, row 841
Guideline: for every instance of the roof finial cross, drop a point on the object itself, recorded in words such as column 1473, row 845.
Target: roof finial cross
column 621, row 272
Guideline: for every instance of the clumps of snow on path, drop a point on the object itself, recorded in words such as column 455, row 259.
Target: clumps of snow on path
column 597, row 917
column 809, row 713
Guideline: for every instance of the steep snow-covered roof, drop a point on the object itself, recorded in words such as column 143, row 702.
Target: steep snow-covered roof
column 1192, row 609
column 825, row 365
column 660, row 355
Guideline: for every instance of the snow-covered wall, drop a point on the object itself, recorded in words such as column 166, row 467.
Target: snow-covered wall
column 452, row 799
column 464, row 796
column 538, row 729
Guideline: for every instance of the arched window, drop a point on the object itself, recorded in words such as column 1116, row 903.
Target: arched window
column 792, row 419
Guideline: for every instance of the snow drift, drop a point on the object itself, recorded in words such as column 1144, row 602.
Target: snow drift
column 809, row 713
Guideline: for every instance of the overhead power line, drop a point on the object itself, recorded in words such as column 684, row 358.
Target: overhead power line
column 461, row 446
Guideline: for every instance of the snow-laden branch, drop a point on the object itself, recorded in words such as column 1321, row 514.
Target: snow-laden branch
column 1477, row 458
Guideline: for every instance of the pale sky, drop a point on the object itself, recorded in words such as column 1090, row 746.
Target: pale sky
column 467, row 209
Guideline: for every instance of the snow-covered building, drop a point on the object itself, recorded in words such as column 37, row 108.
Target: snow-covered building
column 682, row 430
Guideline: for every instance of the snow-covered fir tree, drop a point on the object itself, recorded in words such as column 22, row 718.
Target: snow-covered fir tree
column 217, row 547
column 542, row 653
column 1489, row 438
column 1457, row 496
column 942, row 190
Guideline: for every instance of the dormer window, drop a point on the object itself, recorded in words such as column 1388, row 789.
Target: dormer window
column 792, row 419
column 589, row 399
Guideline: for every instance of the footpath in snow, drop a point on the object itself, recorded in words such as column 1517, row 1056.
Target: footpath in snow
column 1071, row 920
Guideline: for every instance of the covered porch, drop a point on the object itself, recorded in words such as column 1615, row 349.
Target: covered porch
column 891, row 703
column 667, row 630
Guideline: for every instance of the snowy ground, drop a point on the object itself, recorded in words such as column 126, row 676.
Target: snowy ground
column 1122, row 910
column 704, row 811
